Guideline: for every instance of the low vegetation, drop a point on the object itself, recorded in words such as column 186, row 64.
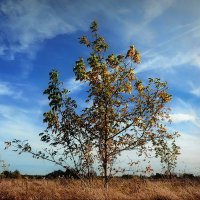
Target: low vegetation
column 69, row 189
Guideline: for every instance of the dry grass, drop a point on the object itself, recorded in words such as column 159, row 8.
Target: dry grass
column 119, row 189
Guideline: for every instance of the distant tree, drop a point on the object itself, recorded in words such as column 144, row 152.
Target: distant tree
column 127, row 176
column 168, row 156
column 158, row 176
column 124, row 113
column 55, row 174
column 164, row 176
column 16, row 174
column 6, row 174
column 188, row 176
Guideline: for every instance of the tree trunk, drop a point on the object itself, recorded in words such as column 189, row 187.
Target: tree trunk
column 105, row 164
column 105, row 161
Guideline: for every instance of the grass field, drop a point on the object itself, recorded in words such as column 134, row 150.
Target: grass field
column 177, row 189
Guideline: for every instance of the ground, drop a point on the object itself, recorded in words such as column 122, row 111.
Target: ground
column 121, row 189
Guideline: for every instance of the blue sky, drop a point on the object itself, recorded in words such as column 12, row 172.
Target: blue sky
column 38, row 35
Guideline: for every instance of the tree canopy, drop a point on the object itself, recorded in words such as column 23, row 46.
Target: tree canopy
column 124, row 113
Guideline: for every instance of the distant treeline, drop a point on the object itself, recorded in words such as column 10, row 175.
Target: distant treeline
column 71, row 173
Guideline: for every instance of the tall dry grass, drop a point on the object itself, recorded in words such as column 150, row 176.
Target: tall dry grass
column 118, row 189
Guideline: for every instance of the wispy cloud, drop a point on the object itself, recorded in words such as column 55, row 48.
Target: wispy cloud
column 194, row 88
column 19, row 123
column 185, row 112
column 7, row 90
column 186, row 119
column 182, row 117
column 139, row 27
column 166, row 61
column 196, row 91
column 22, row 124
column 189, row 161
column 162, row 56
column 74, row 86
column 195, row 28
column 27, row 23
column 153, row 9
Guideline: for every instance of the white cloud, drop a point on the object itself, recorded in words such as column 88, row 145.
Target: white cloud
column 27, row 23
column 185, row 112
column 181, row 47
column 18, row 123
column 139, row 27
column 167, row 60
column 164, row 62
column 7, row 90
column 196, row 60
column 153, row 9
column 191, row 32
column 196, row 91
column 17, row 114
column 74, row 86
column 22, row 124
column 186, row 119
column 182, row 117
column 194, row 88
column 163, row 56
column 189, row 157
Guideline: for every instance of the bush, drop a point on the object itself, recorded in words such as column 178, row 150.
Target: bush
column 127, row 176
column 16, row 174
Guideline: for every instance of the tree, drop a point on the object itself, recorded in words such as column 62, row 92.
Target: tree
column 125, row 113
column 16, row 174
column 168, row 156
column 65, row 136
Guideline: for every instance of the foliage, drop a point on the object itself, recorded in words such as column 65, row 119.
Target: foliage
column 69, row 173
column 64, row 135
column 8, row 174
column 16, row 174
column 127, row 176
column 123, row 113
column 168, row 154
